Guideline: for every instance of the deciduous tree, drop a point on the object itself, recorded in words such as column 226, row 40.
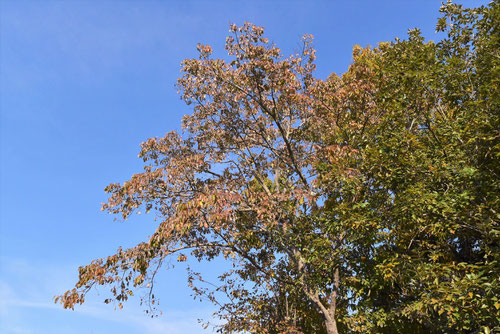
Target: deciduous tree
column 238, row 184
column 411, row 160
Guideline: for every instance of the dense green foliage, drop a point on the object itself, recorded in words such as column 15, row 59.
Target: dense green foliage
column 418, row 178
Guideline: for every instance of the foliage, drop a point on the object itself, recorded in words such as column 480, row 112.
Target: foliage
column 412, row 163
column 361, row 203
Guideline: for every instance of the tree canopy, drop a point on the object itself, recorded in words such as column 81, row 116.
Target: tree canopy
column 366, row 202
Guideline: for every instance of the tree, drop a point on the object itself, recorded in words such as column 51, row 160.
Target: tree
column 237, row 184
column 361, row 203
column 413, row 158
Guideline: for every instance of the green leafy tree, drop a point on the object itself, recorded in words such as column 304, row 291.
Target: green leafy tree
column 412, row 162
column 361, row 203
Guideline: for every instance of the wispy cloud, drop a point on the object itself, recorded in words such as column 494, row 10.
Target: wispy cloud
column 26, row 292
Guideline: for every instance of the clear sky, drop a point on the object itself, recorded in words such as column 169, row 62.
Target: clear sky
column 82, row 84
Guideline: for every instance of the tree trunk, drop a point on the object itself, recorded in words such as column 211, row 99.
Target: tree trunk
column 330, row 322
column 327, row 311
column 331, row 326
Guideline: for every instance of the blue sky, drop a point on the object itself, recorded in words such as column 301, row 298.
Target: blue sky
column 82, row 84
